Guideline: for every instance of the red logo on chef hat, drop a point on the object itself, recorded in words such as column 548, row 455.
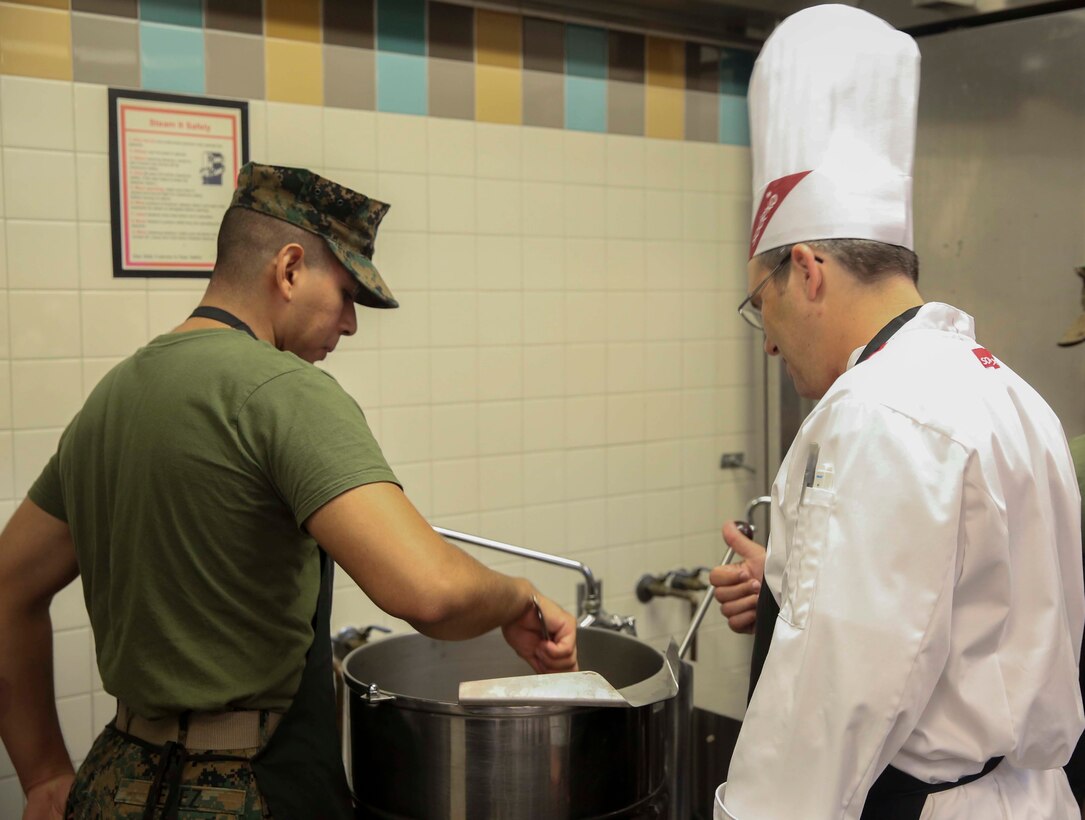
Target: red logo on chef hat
column 774, row 195
column 986, row 358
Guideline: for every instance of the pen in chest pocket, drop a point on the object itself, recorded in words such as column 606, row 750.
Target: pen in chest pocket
column 811, row 469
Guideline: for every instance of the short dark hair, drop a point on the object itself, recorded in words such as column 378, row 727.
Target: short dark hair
column 867, row 260
column 247, row 239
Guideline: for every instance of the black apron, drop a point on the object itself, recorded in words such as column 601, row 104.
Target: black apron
column 300, row 771
column 895, row 795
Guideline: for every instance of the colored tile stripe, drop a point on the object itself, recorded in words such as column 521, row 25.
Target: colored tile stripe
column 408, row 56
column 498, row 39
column 586, row 52
column 172, row 58
column 401, row 26
column 174, row 12
column 585, row 103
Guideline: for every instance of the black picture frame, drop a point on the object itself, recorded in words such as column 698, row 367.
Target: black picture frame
column 125, row 268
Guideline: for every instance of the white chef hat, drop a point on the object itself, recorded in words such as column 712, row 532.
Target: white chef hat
column 832, row 104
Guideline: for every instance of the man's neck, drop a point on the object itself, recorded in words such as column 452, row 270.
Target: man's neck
column 874, row 308
column 224, row 301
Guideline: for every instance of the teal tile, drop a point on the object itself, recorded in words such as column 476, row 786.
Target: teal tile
column 401, row 83
column 586, row 52
column 171, row 58
column 174, row 12
column 401, row 26
column 734, row 120
column 735, row 70
column 585, row 104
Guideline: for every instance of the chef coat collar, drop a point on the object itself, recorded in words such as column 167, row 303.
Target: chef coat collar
column 932, row 316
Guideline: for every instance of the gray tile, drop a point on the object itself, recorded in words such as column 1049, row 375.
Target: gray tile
column 105, row 50
column 625, row 108
column 234, row 64
column 241, row 16
column 544, row 99
column 625, row 57
column 544, row 45
column 702, row 68
column 702, row 116
column 350, row 78
column 451, row 32
column 117, row 8
column 348, row 23
column 451, row 89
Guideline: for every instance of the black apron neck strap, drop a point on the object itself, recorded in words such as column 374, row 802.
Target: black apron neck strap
column 767, row 607
column 883, row 335
column 220, row 315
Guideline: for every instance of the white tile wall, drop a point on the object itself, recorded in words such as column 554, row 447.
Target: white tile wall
column 564, row 371
column 451, row 147
column 37, row 114
column 350, row 139
column 39, row 184
column 452, row 262
column 42, row 254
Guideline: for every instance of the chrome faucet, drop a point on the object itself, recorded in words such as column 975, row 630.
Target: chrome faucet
column 754, row 503
column 591, row 612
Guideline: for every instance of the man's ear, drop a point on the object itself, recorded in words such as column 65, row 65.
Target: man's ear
column 804, row 262
column 288, row 264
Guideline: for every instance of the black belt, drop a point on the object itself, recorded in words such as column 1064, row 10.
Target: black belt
column 897, row 795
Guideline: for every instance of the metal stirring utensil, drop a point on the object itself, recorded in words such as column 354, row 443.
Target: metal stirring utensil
column 702, row 608
column 542, row 620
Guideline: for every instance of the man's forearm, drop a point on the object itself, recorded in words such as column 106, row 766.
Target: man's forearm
column 475, row 599
column 29, row 724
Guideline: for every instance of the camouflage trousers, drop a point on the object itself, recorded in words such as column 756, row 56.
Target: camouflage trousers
column 120, row 773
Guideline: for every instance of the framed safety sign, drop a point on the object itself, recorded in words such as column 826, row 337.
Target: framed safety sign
column 173, row 163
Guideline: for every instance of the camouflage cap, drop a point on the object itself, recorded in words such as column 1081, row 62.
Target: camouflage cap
column 346, row 220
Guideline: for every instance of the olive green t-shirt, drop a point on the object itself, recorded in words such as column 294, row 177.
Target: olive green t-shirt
column 186, row 479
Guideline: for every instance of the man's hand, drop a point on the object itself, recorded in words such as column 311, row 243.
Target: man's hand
column 46, row 800
column 525, row 635
column 737, row 585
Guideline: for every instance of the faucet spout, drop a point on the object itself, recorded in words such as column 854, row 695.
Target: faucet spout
column 592, row 612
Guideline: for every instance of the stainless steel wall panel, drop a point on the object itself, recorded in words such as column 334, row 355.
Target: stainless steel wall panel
column 1000, row 192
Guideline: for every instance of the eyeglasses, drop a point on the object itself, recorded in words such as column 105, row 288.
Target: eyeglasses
column 751, row 312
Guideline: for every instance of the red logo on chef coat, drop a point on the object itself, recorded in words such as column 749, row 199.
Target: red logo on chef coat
column 986, row 358
column 774, row 195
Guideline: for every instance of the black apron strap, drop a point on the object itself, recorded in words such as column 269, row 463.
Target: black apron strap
column 767, row 613
column 767, row 608
column 220, row 315
column 300, row 770
column 886, row 333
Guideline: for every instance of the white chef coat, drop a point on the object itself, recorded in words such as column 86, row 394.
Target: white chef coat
column 930, row 593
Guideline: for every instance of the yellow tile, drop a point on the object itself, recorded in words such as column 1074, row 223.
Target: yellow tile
column 666, row 63
column 499, row 95
column 49, row 4
column 664, row 113
column 498, row 38
column 293, row 19
column 295, row 72
column 35, row 42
